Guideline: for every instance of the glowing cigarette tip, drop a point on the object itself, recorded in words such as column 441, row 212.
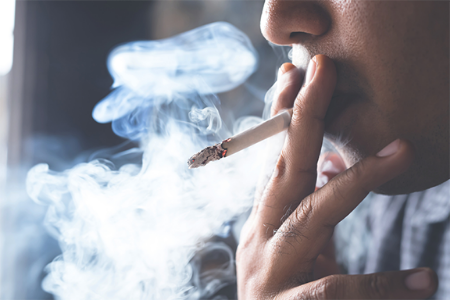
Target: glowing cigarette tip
column 207, row 155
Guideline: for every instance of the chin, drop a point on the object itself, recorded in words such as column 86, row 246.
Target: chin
column 415, row 179
column 420, row 176
column 398, row 186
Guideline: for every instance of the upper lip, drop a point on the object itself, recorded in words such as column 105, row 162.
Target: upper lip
column 345, row 94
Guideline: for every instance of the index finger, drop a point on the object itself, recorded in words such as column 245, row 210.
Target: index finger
column 295, row 174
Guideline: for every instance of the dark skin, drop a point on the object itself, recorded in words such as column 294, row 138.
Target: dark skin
column 379, row 73
column 392, row 63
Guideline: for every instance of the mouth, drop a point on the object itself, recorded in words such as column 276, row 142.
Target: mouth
column 336, row 111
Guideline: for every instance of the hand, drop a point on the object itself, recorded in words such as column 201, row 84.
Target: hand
column 291, row 224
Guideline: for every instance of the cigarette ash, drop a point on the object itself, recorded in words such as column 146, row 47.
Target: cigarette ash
column 135, row 230
column 207, row 155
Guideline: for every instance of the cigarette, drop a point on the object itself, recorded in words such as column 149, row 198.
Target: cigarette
column 242, row 140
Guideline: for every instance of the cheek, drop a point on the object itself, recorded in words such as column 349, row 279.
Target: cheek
column 407, row 89
column 367, row 132
column 386, row 62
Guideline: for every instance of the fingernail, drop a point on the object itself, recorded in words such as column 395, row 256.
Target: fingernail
column 283, row 78
column 286, row 67
column 418, row 281
column 389, row 149
column 283, row 71
column 310, row 71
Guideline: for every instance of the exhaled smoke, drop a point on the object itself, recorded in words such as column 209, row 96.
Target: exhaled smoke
column 142, row 231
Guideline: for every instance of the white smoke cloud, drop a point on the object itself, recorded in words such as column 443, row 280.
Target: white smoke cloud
column 142, row 230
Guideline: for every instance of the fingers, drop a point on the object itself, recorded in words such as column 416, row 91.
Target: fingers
column 314, row 219
column 295, row 174
column 343, row 193
column 288, row 85
column 330, row 164
column 411, row 284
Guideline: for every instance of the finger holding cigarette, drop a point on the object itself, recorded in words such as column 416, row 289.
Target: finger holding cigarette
column 294, row 178
column 296, row 171
column 291, row 225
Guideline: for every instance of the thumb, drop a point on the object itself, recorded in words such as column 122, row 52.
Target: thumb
column 411, row 284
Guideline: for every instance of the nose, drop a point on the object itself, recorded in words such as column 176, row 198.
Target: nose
column 287, row 22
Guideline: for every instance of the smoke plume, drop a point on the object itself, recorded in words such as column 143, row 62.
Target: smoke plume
column 142, row 229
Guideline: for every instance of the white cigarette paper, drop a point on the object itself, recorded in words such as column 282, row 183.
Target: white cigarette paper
column 242, row 140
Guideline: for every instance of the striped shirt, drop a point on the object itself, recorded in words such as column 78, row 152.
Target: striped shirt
column 387, row 233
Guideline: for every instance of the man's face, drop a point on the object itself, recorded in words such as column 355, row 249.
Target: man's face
column 392, row 61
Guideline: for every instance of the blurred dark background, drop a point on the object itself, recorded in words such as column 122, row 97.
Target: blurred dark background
column 59, row 73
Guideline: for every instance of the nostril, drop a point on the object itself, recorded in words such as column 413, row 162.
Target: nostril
column 288, row 22
column 299, row 36
column 295, row 34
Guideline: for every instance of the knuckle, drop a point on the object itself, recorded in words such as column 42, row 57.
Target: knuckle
column 377, row 286
column 292, row 169
column 304, row 173
column 299, row 109
column 285, row 240
column 304, row 211
column 291, row 230
column 303, row 108
column 285, row 236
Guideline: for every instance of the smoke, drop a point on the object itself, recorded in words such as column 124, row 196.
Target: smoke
column 160, row 80
column 140, row 224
